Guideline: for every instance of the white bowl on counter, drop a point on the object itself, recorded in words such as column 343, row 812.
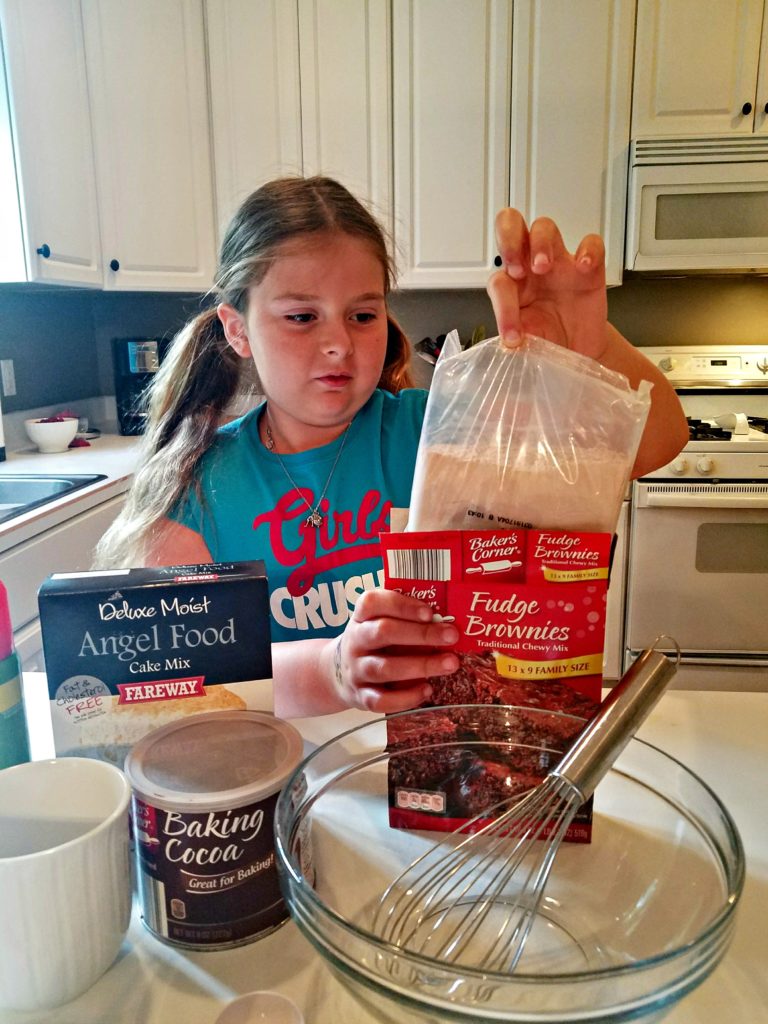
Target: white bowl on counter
column 51, row 435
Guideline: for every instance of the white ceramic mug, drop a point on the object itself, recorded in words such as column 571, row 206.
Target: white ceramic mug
column 65, row 891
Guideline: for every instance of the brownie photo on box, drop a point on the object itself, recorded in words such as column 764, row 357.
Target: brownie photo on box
column 471, row 758
column 478, row 682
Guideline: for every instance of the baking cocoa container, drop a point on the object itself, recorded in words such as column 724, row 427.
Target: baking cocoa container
column 204, row 795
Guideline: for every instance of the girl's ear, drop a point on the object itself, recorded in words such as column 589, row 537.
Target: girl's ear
column 234, row 329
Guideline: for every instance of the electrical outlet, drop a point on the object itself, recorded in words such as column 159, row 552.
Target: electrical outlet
column 8, row 377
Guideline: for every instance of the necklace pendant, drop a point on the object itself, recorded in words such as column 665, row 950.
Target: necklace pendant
column 314, row 519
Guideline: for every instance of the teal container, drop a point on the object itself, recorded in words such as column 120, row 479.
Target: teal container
column 14, row 744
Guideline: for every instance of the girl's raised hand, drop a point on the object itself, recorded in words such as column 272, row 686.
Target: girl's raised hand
column 543, row 289
column 389, row 648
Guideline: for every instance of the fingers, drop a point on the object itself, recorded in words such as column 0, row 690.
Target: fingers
column 385, row 701
column 590, row 255
column 378, row 602
column 512, row 243
column 391, row 645
column 385, row 618
column 546, row 245
column 525, row 250
column 391, row 670
column 505, row 299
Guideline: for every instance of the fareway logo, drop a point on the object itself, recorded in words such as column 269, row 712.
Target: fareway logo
column 160, row 689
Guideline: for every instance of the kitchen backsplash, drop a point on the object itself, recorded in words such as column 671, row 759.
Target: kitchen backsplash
column 60, row 338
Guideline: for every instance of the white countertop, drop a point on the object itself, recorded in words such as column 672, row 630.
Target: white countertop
column 723, row 737
column 112, row 455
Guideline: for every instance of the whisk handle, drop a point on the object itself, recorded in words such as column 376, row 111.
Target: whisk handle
column 620, row 716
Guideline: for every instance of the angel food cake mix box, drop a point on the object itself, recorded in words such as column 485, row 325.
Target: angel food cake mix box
column 129, row 650
column 529, row 605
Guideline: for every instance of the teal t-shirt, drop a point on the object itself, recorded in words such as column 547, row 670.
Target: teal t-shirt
column 251, row 510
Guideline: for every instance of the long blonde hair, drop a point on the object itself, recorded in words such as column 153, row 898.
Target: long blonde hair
column 201, row 373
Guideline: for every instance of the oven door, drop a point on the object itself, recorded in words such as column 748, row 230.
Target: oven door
column 698, row 571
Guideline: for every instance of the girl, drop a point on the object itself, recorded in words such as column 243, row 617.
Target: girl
column 307, row 480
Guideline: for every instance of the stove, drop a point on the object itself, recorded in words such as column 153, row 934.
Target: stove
column 697, row 568
column 724, row 393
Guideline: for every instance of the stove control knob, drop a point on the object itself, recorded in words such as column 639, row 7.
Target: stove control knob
column 762, row 364
column 667, row 364
column 679, row 466
column 704, row 465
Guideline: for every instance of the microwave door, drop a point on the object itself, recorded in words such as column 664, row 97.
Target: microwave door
column 705, row 216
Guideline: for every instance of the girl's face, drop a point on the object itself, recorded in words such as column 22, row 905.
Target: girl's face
column 316, row 327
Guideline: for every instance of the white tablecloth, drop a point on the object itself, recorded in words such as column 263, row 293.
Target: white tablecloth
column 723, row 737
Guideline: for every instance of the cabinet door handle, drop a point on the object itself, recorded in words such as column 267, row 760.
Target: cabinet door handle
column 114, row 264
column 746, row 109
column 44, row 251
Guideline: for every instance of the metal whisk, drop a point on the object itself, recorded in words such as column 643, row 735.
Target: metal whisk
column 475, row 902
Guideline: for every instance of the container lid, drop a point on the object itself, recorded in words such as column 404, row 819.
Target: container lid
column 214, row 760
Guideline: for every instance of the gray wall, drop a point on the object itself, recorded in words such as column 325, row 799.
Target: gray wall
column 59, row 338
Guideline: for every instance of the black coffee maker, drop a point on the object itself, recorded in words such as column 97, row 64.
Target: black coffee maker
column 136, row 361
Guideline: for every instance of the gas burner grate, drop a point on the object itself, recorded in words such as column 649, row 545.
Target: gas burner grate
column 700, row 430
column 758, row 423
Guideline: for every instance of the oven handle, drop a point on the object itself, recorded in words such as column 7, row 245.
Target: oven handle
column 712, row 499
column 719, row 660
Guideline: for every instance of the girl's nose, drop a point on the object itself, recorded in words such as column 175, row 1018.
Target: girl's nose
column 337, row 340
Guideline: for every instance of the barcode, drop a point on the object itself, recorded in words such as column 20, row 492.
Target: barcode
column 419, row 564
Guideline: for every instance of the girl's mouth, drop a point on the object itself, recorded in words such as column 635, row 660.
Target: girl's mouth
column 335, row 380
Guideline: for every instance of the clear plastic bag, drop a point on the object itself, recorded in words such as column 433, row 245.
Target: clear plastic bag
column 537, row 437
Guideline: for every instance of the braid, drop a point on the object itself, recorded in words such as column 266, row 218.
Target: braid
column 195, row 383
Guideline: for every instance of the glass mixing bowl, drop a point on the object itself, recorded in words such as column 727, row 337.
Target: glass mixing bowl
column 628, row 925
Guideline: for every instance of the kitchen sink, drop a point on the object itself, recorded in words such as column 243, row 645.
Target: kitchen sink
column 19, row 494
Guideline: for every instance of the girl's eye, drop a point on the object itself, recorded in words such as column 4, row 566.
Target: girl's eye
column 300, row 318
column 364, row 318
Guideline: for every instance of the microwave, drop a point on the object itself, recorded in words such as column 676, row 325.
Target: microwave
column 698, row 204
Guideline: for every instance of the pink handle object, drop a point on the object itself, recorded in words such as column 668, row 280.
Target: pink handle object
column 6, row 629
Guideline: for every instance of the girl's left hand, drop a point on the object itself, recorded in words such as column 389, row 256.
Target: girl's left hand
column 543, row 289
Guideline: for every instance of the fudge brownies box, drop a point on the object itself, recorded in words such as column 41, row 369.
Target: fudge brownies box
column 129, row 650
column 529, row 605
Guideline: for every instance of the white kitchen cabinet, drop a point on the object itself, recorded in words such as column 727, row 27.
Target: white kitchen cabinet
column 109, row 108
column 300, row 87
column 345, row 95
column 451, row 104
column 66, row 547
column 148, row 92
column 700, row 68
column 253, row 66
column 571, row 102
column 52, row 141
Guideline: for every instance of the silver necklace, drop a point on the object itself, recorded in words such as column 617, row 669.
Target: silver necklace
column 315, row 517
